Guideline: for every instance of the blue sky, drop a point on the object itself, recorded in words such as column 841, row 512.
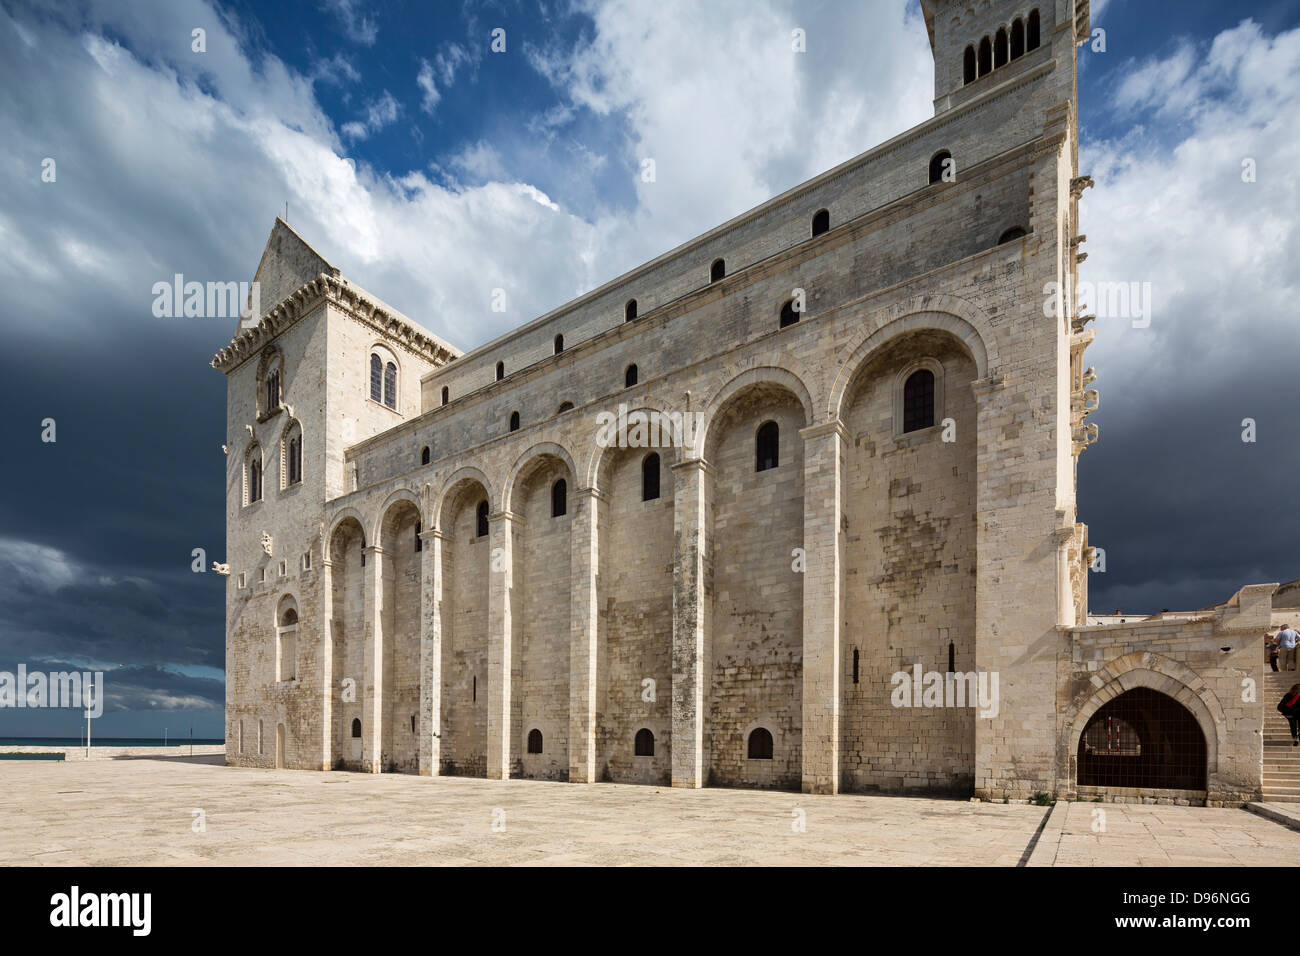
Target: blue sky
column 431, row 169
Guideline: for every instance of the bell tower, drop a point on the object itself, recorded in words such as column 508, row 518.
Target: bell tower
column 978, row 45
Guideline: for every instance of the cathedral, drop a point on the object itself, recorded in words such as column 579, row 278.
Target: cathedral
column 791, row 505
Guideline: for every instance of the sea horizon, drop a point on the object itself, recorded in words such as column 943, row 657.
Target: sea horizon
column 106, row 741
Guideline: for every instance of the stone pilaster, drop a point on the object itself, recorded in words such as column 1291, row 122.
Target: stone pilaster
column 325, row 663
column 1017, row 591
column 823, row 544
column 583, row 636
column 430, row 653
column 372, row 707
column 692, row 652
column 1064, row 581
column 500, row 644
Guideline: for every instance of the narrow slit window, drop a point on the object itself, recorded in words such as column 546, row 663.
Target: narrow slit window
column 650, row 477
column 767, row 444
column 918, row 400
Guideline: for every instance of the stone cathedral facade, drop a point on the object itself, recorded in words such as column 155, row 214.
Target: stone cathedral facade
column 871, row 409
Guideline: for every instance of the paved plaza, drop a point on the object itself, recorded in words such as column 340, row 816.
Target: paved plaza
column 142, row 811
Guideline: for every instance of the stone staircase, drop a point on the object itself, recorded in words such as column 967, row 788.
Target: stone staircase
column 1281, row 783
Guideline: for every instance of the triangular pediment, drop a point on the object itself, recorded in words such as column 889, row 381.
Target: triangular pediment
column 288, row 261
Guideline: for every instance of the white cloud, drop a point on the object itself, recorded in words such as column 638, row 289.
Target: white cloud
column 430, row 96
column 445, row 64
column 335, row 70
column 378, row 114
column 1170, row 208
column 360, row 28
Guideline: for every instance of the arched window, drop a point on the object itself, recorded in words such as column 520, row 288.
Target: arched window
column 446, row 395
column 789, row 315
column 650, row 477
column 985, row 56
column 481, row 520
column 273, row 388
column 821, row 221
column 293, row 456
column 559, row 498
column 918, row 400
column 952, row 658
column 855, row 665
column 286, row 641
column 534, row 741
column 559, row 344
column 270, row 382
column 760, row 744
column 1017, row 38
column 419, row 542
column 564, row 407
column 939, row 165
column 717, row 270
column 1000, row 56
column 390, row 385
column 255, row 474
column 767, row 444
column 629, row 377
column 356, row 728
column 968, row 65
column 629, row 310
column 501, row 370
column 376, row 378
column 1015, row 232
column 514, row 421
column 1031, row 33
column 645, row 743
column 424, row 455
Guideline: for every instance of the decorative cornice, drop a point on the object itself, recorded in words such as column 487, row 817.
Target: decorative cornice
column 336, row 290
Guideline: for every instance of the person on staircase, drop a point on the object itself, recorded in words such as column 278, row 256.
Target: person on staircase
column 1270, row 650
column 1289, row 707
column 1286, row 642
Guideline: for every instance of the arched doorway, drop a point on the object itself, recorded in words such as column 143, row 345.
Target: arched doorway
column 1143, row 739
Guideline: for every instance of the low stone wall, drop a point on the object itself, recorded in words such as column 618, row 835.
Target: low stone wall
column 109, row 753
column 1177, row 798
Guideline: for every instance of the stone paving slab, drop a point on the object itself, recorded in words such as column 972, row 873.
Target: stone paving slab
column 140, row 812
column 1126, row 834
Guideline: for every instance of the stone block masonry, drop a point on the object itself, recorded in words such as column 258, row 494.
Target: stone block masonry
column 883, row 478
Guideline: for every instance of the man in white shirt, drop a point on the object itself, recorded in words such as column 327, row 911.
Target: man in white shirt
column 1286, row 644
